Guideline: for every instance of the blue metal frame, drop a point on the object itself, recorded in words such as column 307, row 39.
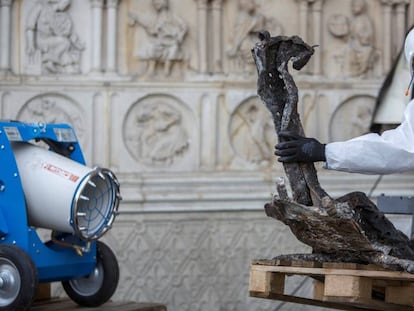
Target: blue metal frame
column 53, row 262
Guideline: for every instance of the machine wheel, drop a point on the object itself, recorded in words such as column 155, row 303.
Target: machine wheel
column 96, row 288
column 18, row 279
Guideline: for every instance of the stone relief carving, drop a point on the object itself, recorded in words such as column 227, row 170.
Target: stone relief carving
column 352, row 118
column 359, row 54
column 244, row 35
column 53, row 108
column 52, row 46
column 166, row 32
column 154, row 131
column 252, row 132
column 338, row 25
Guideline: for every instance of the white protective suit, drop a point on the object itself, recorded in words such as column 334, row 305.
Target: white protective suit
column 391, row 152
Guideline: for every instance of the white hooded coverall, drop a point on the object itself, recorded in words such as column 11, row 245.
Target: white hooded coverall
column 391, row 152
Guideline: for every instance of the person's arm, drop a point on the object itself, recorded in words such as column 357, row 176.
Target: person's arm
column 391, row 152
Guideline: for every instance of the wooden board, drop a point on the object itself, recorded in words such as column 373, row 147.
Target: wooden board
column 68, row 305
column 341, row 286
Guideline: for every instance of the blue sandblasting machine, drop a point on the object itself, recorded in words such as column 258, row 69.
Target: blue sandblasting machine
column 44, row 183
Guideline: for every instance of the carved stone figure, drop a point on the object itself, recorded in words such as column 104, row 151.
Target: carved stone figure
column 155, row 133
column 359, row 55
column 52, row 43
column 244, row 35
column 53, row 108
column 166, row 32
column 252, row 132
column 338, row 25
column 352, row 118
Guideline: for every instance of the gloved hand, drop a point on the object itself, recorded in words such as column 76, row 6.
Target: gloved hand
column 299, row 149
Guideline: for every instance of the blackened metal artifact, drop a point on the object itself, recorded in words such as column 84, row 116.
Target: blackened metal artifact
column 347, row 229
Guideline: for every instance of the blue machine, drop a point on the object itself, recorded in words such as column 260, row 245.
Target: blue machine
column 44, row 183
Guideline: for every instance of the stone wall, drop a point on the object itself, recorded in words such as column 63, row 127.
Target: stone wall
column 165, row 96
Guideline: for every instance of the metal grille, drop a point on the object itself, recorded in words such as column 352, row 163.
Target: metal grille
column 96, row 204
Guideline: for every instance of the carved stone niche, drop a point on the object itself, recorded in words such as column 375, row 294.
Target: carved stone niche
column 251, row 133
column 157, row 131
column 160, row 33
column 354, row 51
column 352, row 118
column 52, row 108
column 249, row 19
column 51, row 40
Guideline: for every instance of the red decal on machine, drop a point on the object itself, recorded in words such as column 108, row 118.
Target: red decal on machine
column 61, row 172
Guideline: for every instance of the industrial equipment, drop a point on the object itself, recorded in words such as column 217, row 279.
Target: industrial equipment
column 44, row 183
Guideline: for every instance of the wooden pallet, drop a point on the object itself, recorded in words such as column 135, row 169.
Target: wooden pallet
column 343, row 286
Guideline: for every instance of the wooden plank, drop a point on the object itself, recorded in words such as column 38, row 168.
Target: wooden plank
column 267, row 282
column 350, row 265
column 391, row 275
column 318, row 290
column 43, row 292
column 68, row 305
column 341, row 303
column 347, row 286
column 53, row 304
column 306, row 264
column 311, row 302
column 340, row 265
column 370, row 304
column 385, row 283
column 400, row 294
column 287, row 263
column 314, row 264
column 271, row 262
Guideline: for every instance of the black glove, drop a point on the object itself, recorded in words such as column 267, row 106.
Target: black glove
column 297, row 148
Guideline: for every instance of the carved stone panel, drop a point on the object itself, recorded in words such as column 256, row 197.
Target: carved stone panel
column 50, row 108
column 83, row 110
column 352, row 118
column 53, row 108
column 53, row 44
column 157, row 131
column 252, row 132
column 355, row 54
column 157, row 38
column 248, row 18
column 311, row 107
column 244, row 34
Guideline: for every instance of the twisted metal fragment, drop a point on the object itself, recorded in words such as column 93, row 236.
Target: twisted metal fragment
column 350, row 228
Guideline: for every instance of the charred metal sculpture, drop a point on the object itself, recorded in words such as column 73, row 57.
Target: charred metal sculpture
column 347, row 229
